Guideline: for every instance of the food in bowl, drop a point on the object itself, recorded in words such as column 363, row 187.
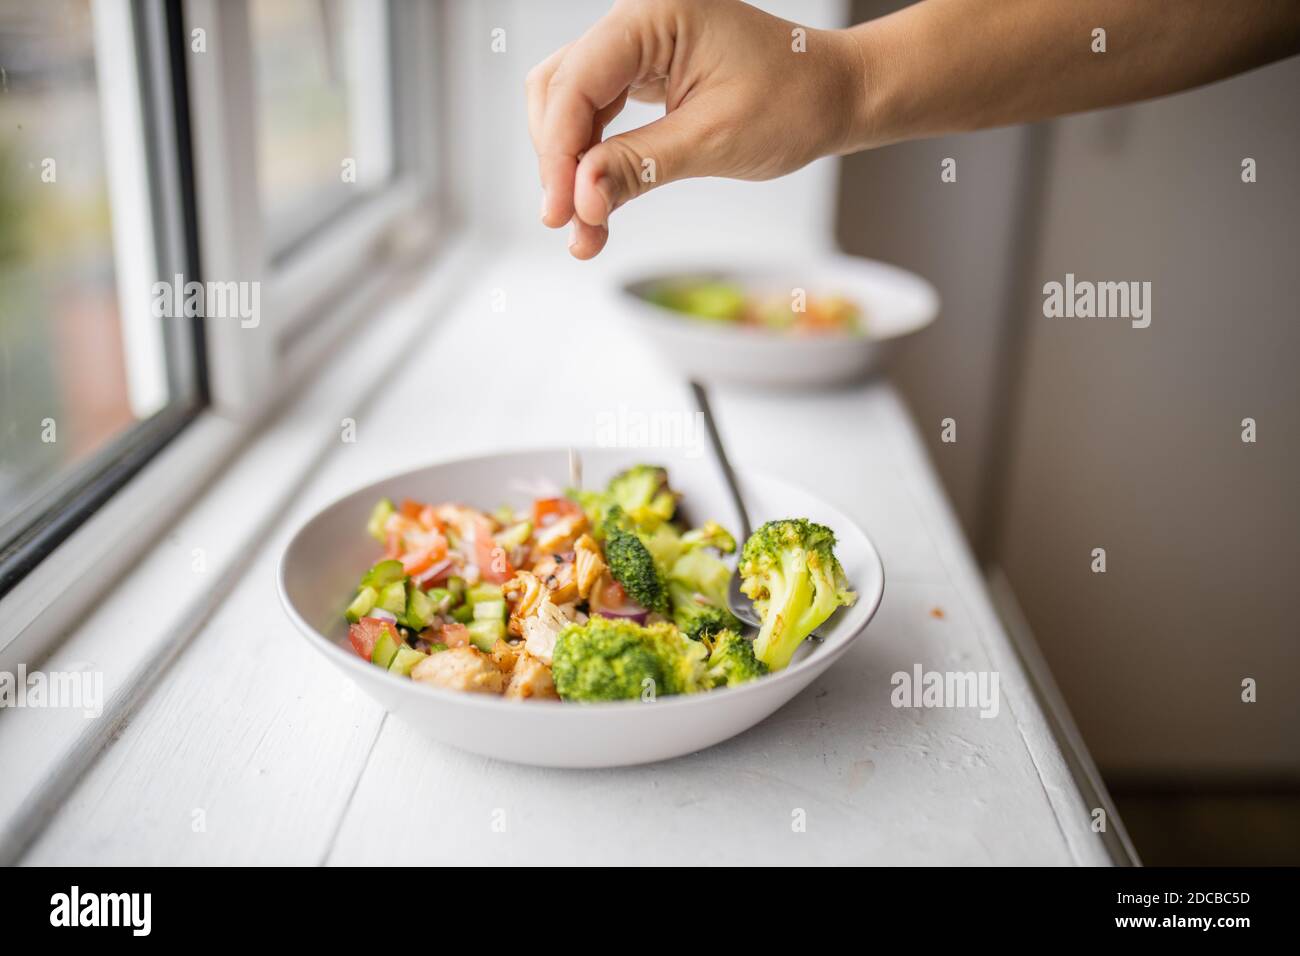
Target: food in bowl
column 597, row 595
column 795, row 312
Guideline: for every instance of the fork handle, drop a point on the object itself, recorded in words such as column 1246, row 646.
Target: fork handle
column 720, row 453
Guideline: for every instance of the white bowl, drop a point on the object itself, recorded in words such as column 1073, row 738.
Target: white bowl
column 327, row 555
column 894, row 302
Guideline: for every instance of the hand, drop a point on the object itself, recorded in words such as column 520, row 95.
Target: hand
column 746, row 95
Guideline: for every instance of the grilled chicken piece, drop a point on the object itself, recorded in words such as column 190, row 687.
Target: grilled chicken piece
column 560, row 535
column 525, row 594
column 588, row 565
column 531, row 679
column 505, row 654
column 557, row 573
column 460, row 668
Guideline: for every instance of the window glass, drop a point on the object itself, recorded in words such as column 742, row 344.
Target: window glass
column 82, row 361
column 324, row 117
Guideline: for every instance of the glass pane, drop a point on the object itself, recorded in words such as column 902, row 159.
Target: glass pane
column 77, row 367
column 323, row 109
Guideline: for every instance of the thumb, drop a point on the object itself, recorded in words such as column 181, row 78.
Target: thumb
column 630, row 164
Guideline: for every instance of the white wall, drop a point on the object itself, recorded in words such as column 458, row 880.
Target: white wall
column 795, row 211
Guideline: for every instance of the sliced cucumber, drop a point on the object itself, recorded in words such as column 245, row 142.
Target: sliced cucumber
column 361, row 604
column 378, row 518
column 490, row 611
column 483, row 592
column 420, row 609
column 386, row 648
column 405, row 659
column 457, row 588
column 383, row 574
column 515, row 535
column 393, row 599
column 441, row 598
column 463, row 614
column 483, row 634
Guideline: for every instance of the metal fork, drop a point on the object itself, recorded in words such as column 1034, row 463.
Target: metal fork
column 736, row 599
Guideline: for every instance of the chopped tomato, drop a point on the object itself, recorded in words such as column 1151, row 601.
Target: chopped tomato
column 428, row 518
column 417, row 562
column 455, row 634
column 547, row 511
column 410, row 509
column 493, row 562
column 392, row 544
column 366, row 631
column 613, row 595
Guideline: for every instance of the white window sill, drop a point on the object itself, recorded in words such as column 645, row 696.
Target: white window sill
column 161, row 602
column 287, row 763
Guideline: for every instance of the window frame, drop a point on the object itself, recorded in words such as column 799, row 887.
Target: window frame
column 299, row 286
column 207, row 223
column 68, row 499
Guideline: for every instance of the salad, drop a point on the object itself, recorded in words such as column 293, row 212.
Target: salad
column 725, row 302
column 592, row 596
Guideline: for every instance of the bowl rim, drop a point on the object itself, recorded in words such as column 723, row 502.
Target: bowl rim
column 672, row 269
column 494, row 702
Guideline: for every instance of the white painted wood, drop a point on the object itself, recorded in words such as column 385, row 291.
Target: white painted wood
column 136, row 629
column 253, row 728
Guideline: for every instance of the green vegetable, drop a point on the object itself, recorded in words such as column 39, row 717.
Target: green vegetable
column 483, row 592
column 732, row 661
column 483, row 634
column 463, row 614
column 632, row 565
column 437, row 647
column 457, row 588
column 405, row 659
column 361, row 604
column 719, row 301
column 490, row 611
column 420, row 608
column 383, row 574
column 378, row 516
column 385, row 649
column 697, row 589
column 609, row 659
column 393, row 599
column 643, row 494
column 515, row 535
column 441, row 598
column 790, row 571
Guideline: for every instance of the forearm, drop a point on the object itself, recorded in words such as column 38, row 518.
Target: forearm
column 945, row 66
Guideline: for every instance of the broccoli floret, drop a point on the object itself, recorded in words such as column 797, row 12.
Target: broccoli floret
column 631, row 563
column 697, row 588
column 643, row 493
column 732, row 661
column 667, row 545
column 608, row 659
column 790, row 571
column 710, row 535
column 695, row 615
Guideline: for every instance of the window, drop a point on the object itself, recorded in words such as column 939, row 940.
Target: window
column 324, row 109
column 87, row 373
column 211, row 144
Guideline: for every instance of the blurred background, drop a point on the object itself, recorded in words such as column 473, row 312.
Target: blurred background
column 1071, row 436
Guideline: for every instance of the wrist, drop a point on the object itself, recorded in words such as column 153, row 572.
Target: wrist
column 864, row 66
